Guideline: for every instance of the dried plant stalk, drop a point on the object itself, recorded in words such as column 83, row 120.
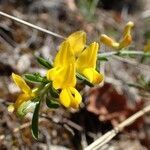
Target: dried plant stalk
column 31, row 25
column 109, row 135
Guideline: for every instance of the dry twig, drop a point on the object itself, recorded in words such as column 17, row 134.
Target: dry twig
column 31, row 25
column 109, row 135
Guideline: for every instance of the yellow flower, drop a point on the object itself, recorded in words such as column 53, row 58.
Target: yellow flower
column 25, row 96
column 63, row 76
column 124, row 42
column 86, row 64
column 77, row 42
column 109, row 41
column 127, row 38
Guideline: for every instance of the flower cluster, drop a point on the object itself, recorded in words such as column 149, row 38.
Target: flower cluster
column 74, row 61
column 73, row 57
column 124, row 42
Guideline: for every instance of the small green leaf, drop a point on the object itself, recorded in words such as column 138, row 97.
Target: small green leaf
column 85, row 80
column 44, row 62
column 103, row 58
column 54, row 93
column 33, row 78
column 52, row 103
column 35, row 118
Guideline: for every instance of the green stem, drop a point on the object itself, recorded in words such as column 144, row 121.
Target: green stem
column 35, row 118
column 124, row 53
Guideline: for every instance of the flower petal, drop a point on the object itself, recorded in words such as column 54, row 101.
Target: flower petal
column 70, row 97
column 20, row 82
column 77, row 41
column 65, row 77
column 21, row 98
column 51, row 73
column 109, row 41
column 127, row 29
column 11, row 108
column 75, row 98
column 65, row 98
column 127, row 38
column 88, row 57
column 126, row 41
column 92, row 75
column 64, row 55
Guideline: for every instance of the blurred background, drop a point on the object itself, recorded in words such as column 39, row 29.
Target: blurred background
column 127, row 80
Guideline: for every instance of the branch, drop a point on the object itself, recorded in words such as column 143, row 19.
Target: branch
column 31, row 25
column 112, row 133
column 124, row 53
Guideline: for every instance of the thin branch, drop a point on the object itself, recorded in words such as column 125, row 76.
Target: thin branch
column 31, row 25
column 112, row 133
column 120, row 53
column 124, row 53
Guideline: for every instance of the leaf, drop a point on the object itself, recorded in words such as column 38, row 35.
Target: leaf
column 52, row 103
column 44, row 62
column 33, row 78
column 54, row 93
column 35, row 118
column 103, row 58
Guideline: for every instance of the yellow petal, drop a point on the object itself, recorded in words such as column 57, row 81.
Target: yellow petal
column 70, row 97
column 20, row 82
column 127, row 29
column 127, row 38
column 11, row 108
column 51, row 73
column 64, row 55
column 65, row 98
column 65, row 76
column 75, row 98
column 77, row 41
column 88, row 57
column 109, row 41
column 92, row 75
column 21, row 98
column 125, row 42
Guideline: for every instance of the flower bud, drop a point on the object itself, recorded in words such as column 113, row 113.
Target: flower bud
column 109, row 41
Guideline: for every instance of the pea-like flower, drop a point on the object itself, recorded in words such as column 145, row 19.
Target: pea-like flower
column 77, row 42
column 124, row 42
column 63, row 76
column 85, row 58
column 127, row 38
column 26, row 95
column 86, row 64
